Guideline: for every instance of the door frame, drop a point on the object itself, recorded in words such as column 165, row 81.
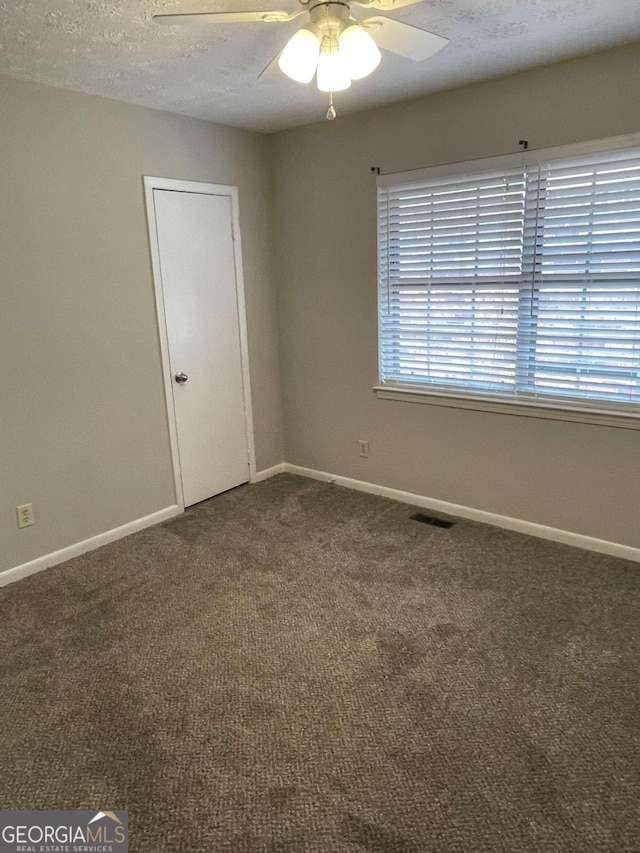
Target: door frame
column 174, row 185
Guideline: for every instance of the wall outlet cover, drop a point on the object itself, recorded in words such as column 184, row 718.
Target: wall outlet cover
column 25, row 515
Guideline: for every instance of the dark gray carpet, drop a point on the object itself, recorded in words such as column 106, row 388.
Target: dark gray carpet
column 293, row 667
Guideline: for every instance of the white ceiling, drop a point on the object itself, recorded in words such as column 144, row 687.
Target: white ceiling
column 111, row 48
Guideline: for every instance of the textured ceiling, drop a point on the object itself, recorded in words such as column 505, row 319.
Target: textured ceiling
column 112, row 48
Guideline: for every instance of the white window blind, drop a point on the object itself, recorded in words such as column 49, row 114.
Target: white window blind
column 520, row 282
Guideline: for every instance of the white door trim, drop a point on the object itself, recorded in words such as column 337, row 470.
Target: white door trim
column 154, row 183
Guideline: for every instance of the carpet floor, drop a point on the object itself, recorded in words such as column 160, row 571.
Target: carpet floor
column 293, row 667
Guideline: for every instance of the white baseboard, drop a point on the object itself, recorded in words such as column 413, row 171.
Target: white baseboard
column 589, row 543
column 269, row 472
column 75, row 550
column 577, row 540
column 56, row 557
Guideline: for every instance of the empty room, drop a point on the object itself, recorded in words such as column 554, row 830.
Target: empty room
column 320, row 467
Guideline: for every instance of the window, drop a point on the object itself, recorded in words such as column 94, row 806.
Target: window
column 515, row 280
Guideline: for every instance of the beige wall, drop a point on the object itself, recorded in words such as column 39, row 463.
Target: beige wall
column 83, row 427
column 576, row 477
column 82, row 424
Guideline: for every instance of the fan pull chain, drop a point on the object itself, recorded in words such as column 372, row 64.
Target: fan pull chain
column 331, row 112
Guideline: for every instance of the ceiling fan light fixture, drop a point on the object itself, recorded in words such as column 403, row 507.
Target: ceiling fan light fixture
column 333, row 75
column 333, row 45
column 299, row 59
column 360, row 52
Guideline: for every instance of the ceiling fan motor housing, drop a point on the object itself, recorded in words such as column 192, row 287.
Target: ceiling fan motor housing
column 329, row 19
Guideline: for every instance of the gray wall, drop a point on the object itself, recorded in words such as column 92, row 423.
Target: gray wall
column 576, row 477
column 83, row 427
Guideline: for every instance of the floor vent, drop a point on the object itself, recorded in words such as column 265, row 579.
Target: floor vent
column 430, row 519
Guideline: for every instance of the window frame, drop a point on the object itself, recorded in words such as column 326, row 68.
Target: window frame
column 552, row 410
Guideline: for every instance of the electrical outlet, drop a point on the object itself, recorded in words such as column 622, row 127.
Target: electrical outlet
column 25, row 515
column 364, row 448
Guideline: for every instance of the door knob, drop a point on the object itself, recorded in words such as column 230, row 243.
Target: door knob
column 181, row 377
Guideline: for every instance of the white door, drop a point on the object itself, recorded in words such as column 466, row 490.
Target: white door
column 198, row 276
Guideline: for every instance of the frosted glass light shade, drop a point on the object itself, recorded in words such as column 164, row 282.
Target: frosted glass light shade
column 332, row 70
column 360, row 52
column 299, row 59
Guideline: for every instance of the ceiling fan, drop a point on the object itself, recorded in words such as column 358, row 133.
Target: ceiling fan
column 333, row 45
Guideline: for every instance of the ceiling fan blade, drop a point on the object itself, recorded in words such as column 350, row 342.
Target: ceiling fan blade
column 403, row 39
column 271, row 70
column 227, row 17
column 386, row 5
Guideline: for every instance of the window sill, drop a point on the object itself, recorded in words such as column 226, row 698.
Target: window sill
column 620, row 420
